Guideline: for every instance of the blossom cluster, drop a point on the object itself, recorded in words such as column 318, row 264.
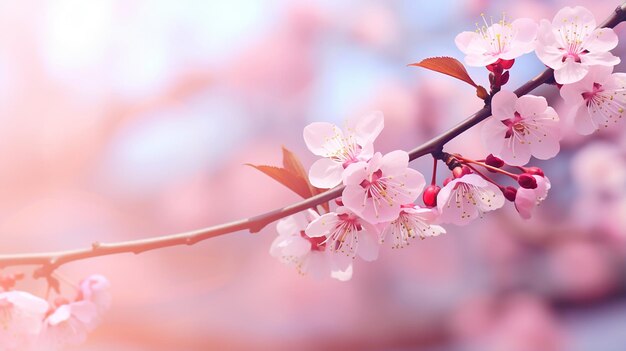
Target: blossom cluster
column 30, row 323
column 380, row 195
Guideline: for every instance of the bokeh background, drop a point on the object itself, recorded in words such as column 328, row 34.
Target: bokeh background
column 126, row 119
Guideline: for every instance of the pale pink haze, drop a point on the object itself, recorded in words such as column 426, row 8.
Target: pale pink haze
column 500, row 40
column 340, row 148
column 21, row 315
column 413, row 221
column 346, row 234
column 308, row 255
column 597, row 101
column 376, row 190
column 466, row 198
column 527, row 199
column 96, row 289
column 521, row 127
column 571, row 44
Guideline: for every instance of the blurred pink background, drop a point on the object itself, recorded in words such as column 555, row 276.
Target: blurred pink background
column 128, row 119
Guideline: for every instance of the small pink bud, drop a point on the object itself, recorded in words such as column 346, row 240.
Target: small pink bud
column 510, row 193
column 338, row 201
column 447, row 180
column 535, row 171
column 527, row 181
column 430, row 195
column 493, row 161
column 458, row 172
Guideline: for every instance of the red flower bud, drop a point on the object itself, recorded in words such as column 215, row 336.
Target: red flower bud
column 510, row 193
column 534, row 171
column 447, row 180
column 430, row 195
column 527, row 181
column 493, row 161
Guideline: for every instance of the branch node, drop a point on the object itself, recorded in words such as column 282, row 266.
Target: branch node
column 96, row 245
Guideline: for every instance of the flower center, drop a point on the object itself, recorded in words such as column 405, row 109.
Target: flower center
column 590, row 95
column 317, row 243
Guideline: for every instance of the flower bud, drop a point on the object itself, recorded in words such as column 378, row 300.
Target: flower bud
column 510, row 193
column 338, row 201
column 430, row 195
column 458, row 172
column 527, row 181
column 493, row 161
column 534, row 171
column 447, row 180
column 504, row 78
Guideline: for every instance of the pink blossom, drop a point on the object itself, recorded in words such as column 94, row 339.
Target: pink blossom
column 375, row 190
column 597, row 100
column 21, row 316
column 95, row 288
column 308, row 255
column 521, row 127
column 463, row 199
column 412, row 222
column 340, row 149
column 346, row 233
column 571, row 44
column 500, row 40
column 527, row 199
column 68, row 325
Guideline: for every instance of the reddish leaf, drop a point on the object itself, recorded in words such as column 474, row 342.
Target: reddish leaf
column 297, row 184
column 446, row 65
column 293, row 176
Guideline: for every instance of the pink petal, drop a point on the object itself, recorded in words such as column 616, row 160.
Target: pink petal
column 525, row 202
column 292, row 225
column 577, row 14
column 341, row 267
column 515, row 153
column 297, row 246
column 583, row 123
column 525, row 30
column 464, row 41
column 503, row 105
column 493, row 135
column 480, row 60
column 602, row 39
column 394, row 162
column 571, row 72
column 546, row 149
column 600, row 59
column 529, row 105
column 321, row 226
column 325, row 173
column 356, row 173
column 316, row 136
column 366, row 128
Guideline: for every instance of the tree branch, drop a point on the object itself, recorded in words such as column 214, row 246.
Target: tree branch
column 50, row 261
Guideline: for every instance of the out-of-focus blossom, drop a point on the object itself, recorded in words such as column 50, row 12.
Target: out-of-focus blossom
column 571, row 44
column 527, row 199
column 340, row 149
column 346, row 233
column 600, row 167
column 598, row 100
column 308, row 255
column 502, row 40
column 412, row 222
column 68, row 325
column 20, row 319
column 521, row 127
column 466, row 198
column 96, row 289
column 375, row 190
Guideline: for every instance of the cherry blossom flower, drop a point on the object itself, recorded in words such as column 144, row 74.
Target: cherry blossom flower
column 68, row 325
column 502, row 40
column 95, row 288
column 308, row 255
column 340, row 149
column 346, row 233
column 521, row 127
column 466, row 198
column 412, row 222
column 597, row 100
column 572, row 43
column 375, row 190
column 20, row 319
column 527, row 199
